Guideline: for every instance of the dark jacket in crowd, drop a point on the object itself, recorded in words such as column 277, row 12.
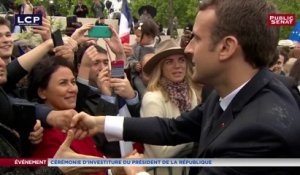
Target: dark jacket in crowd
column 10, row 145
column 90, row 102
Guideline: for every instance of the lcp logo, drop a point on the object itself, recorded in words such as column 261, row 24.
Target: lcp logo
column 28, row 19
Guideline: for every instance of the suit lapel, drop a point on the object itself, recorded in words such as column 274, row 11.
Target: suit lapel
column 218, row 127
column 260, row 80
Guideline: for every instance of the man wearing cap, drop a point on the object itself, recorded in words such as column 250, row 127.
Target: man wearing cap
column 250, row 114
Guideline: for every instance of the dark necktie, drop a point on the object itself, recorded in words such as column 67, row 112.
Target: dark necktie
column 217, row 113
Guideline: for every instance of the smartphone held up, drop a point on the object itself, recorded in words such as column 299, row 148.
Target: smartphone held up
column 57, row 38
column 100, row 32
column 117, row 69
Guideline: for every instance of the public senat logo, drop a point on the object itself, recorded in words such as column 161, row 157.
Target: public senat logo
column 281, row 19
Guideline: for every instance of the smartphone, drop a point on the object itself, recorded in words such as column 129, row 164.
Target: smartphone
column 71, row 21
column 100, row 32
column 117, row 69
column 39, row 10
column 57, row 38
column 25, row 111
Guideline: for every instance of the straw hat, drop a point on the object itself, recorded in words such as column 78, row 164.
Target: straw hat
column 288, row 43
column 163, row 50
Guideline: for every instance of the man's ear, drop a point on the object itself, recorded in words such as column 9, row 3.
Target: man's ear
column 229, row 46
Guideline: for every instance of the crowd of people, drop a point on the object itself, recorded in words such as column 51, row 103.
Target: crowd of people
column 221, row 92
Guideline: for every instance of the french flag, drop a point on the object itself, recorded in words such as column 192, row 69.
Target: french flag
column 125, row 23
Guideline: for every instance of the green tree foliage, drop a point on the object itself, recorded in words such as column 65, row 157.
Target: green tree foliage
column 184, row 10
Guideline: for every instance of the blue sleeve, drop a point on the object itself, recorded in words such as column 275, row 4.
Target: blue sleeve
column 135, row 100
column 42, row 111
column 110, row 99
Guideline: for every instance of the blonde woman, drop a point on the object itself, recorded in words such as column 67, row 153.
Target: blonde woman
column 170, row 92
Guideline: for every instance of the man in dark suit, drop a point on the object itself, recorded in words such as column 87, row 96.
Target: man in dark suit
column 251, row 114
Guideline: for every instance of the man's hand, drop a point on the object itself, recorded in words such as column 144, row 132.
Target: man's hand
column 44, row 30
column 36, row 136
column 90, row 124
column 103, row 82
column 122, row 87
column 127, row 49
column 61, row 119
column 65, row 51
column 78, row 35
column 89, row 55
column 115, row 45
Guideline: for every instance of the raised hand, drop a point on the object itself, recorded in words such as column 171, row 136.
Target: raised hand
column 44, row 30
column 65, row 51
column 86, row 62
column 115, row 45
column 122, row 87
column 79, row 36
column 103, row 82
column 127, row 50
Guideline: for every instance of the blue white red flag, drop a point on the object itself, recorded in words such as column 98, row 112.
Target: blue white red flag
column 125, row 23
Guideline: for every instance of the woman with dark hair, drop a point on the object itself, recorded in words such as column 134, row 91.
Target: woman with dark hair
column 52, row 82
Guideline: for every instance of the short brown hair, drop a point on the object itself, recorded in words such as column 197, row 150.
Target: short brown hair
column 247, row 20
column 3, row 21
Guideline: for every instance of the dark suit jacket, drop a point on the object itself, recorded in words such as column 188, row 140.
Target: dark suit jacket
column 91, row 103
column 262, row 121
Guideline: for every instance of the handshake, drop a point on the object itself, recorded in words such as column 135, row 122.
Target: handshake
column 81, row 123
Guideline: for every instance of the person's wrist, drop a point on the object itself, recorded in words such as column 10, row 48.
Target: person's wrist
column 73, row 43
column 50, row 118
column 104, row 91
column 49, row 44
column 100, row 120
column 120, row 56
column 130, row 95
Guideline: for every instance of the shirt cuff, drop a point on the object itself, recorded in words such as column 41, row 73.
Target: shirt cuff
column 110, row 99
column 134, row 100
column 83, row 81
column 113, row 128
